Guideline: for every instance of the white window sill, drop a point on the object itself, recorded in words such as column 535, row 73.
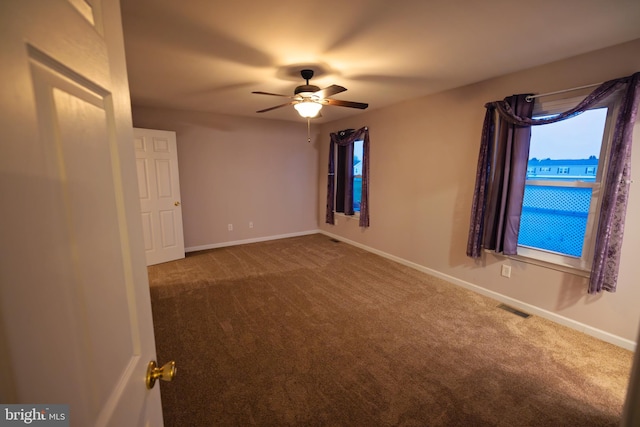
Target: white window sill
column 541, row 262
column 355, row 215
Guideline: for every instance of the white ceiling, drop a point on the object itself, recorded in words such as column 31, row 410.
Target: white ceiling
column 206, row 55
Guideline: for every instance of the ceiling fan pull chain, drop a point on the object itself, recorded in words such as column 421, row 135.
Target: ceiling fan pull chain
column 308, row 130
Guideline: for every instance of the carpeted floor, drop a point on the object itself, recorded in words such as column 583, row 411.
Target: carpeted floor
column 308, row 331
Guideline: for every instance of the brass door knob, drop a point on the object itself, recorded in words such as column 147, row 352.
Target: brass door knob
column 166, row 373
column 176, row 203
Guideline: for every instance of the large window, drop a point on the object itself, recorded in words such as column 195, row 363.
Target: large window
column 501, row 178
column 562, row 191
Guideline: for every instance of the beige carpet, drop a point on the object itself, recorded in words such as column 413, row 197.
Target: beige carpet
column 308, row 331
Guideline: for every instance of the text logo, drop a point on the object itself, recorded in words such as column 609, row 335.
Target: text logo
column 36, row 415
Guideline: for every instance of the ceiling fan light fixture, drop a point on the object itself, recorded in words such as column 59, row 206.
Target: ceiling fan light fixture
column 309, row 99
column 308, row 108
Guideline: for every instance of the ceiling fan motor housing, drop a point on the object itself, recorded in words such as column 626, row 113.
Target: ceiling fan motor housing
column 306, row 88
column 306, row 74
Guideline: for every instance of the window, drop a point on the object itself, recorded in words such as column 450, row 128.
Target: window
column 501, row 178
column 357, row 174
column 348, row 156
column 560, row 211
column 357, row 156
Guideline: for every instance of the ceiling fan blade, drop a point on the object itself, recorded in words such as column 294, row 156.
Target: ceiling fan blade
column 341, row 103
column 272, row 94
column 277, row 106
column 329, row 91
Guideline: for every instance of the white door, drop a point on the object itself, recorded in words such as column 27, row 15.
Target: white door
column 159, row 191
column 75, row 324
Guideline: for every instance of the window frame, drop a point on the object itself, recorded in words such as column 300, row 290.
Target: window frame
column 577, row 265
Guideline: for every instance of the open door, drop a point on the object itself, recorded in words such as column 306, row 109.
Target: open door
column 75, row 324
column 159, row 191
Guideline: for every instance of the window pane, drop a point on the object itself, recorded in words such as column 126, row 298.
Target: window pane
column 554, row 218
column 568, row 150
column 357, row 174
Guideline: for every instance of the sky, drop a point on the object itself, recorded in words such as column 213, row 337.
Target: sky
column 357, row 151
column 575, row 138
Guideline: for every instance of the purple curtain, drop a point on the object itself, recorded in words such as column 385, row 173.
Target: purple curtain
column 615, row 193
column 344, row 180
column 606, row 261
column 509, row 156
column 347, row 138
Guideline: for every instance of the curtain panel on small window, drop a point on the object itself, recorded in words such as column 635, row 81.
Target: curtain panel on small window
column 605, row 265
column 344, row 179
column 345, row 139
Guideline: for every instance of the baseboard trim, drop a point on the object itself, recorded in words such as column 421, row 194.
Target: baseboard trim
column 245, row 241
column 554, row 317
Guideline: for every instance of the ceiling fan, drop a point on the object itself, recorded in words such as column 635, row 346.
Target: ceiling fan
column 309, row 99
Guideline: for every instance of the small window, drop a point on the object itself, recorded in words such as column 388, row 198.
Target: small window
column 358, row 157
column 560, row 210
column 343, row 155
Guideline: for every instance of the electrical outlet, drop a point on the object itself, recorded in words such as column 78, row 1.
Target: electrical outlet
column 506, row 270
column 230, row 227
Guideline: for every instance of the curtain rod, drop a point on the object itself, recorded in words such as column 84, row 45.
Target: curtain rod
column 532, row 97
